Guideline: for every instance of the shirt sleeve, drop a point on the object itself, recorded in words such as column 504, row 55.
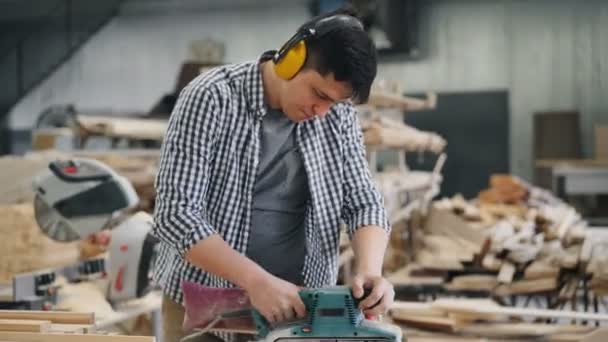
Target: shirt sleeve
column 183, row 176
column 363, row 203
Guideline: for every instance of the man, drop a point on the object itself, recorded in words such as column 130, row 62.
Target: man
column 260, row 164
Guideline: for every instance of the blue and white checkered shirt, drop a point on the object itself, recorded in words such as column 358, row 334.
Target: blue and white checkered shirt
column 207, row 173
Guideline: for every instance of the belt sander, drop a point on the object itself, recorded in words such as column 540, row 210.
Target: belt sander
column 332, row 316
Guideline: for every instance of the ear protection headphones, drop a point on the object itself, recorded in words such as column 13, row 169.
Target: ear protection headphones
column 291, row 57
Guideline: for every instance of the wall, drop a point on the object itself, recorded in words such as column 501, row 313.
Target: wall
column 549, row 54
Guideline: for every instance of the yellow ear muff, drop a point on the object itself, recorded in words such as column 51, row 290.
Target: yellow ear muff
column 294, row 59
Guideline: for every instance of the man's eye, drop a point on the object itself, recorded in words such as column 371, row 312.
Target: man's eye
column 321, row 96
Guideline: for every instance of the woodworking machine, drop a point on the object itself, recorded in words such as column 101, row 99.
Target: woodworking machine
column 78, row 197
column 332, row 315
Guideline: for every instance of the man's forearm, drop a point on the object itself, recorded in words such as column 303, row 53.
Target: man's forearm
column 214, row 255
column 369, row 245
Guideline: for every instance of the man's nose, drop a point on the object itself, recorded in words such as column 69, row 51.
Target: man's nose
column 321, row 109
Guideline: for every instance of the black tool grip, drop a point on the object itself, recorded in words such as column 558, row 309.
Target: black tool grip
column 366, row 292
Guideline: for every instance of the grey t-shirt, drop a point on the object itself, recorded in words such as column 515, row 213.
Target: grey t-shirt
column 277, row 239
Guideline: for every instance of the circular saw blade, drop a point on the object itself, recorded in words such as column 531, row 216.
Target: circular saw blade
column 51, row 224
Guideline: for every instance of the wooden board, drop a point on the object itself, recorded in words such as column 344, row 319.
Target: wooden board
column 468, row 306
column 24, row 325
column 444, row 222
column 527, row 286
column 443, row 324
column 473, row 282
column 67, row 337
column 540, row 269
column 507, row 271
column 123, row 127
column 51, row 316
column 402, row 310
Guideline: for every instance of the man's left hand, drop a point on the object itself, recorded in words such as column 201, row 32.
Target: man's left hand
column 381, row 297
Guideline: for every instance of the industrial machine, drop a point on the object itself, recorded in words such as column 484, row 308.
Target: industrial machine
column 332, row 315
column 79, row 197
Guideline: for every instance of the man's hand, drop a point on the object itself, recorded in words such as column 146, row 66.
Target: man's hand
column 381, row 297
column 276, row 299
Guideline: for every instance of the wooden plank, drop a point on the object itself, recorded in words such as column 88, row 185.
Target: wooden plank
column 236, row 331
column 123, row 127
column 490, row 262
column 540, row 269
column 444, row 222
column 443, row 324
column 526, row 286
column 385, row 99
column 59, row 337
column 600, row 335
column 509, row 330
column 73, row 328
column 52, row 316
column 507, row 271
column 473, row 282
column 24, row 325
column 474, row 306
column 407, row 309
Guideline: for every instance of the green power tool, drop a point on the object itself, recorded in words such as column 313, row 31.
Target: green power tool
column 333, row 315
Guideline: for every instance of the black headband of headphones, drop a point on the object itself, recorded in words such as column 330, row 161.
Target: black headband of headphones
column 317, row 29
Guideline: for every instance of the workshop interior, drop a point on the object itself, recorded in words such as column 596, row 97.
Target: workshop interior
column 485, row 132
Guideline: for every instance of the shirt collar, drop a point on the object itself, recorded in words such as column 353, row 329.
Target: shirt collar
column 255, row 86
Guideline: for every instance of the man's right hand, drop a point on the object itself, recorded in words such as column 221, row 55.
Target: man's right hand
column 276, row 299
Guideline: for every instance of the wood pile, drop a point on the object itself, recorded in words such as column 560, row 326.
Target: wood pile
column 56, row 326
column 512, row 239
column 381, row 132
column 24, row 248
column 483, row 318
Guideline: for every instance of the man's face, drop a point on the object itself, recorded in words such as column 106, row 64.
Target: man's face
column 309, row 95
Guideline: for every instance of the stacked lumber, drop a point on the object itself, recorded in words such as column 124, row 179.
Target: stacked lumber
column 483, row 318
column 121, row 127
column 512, row 239
column 51, row 326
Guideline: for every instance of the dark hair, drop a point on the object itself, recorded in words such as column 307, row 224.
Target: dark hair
column 346, row 51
